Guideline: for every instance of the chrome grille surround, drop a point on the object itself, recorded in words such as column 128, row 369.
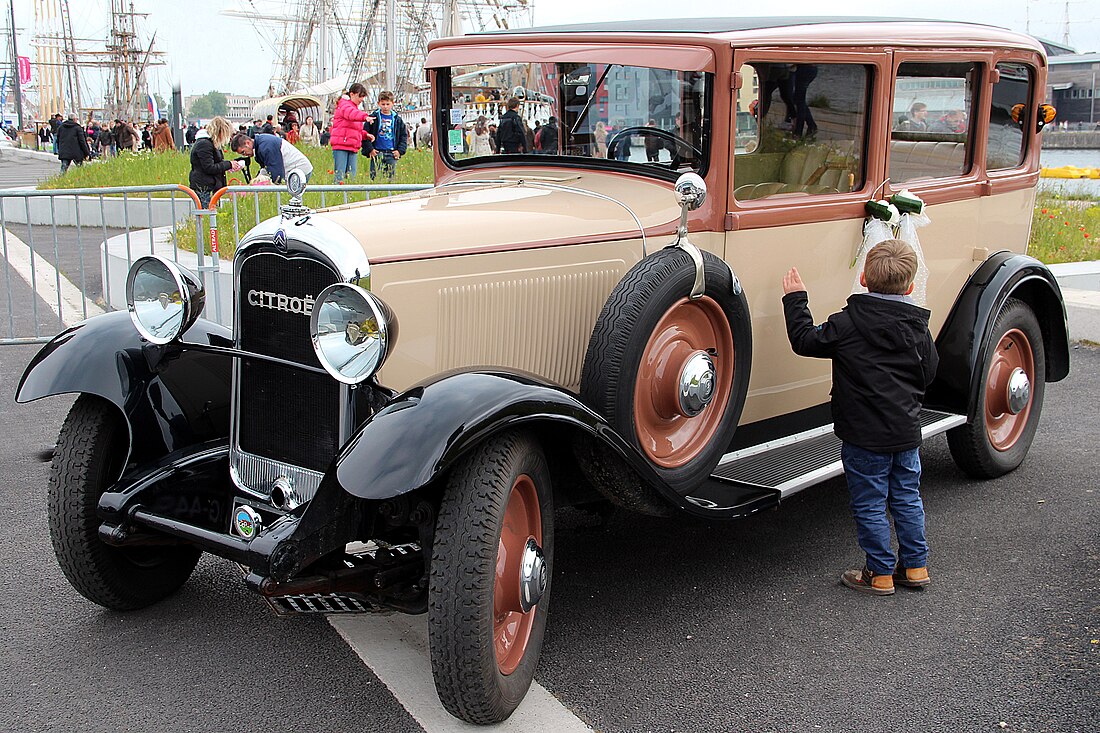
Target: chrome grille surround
column 332, row 246
column 256, row 475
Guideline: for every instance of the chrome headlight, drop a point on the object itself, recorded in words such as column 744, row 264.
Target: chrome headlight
column 163, row 298
column 353, row 332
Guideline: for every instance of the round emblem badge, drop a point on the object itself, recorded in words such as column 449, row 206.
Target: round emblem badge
column 247, row 522
column 279, row 240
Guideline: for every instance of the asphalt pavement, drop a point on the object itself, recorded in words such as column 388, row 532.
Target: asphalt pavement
column 655, row 625
column 19, row 168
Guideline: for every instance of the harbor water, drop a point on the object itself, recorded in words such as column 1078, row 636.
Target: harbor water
column 1080, row 158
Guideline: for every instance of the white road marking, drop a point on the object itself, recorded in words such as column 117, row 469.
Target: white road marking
column 45, row 279
column 396, row 649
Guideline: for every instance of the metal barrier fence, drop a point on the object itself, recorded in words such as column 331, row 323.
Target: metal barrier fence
column 66, row 253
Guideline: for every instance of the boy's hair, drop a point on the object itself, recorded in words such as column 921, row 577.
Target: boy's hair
column 512, row 103
column 385, row 96
column 891, row 267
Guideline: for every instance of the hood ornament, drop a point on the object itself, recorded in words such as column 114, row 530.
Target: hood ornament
column 295, row 186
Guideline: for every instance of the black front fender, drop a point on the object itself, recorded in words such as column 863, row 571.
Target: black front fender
column 963, row 341
column 422, row 432
column 170, row 397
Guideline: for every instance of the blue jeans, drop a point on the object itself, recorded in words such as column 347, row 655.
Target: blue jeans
column 877, row 481
column 345, row 161
column 384, row 162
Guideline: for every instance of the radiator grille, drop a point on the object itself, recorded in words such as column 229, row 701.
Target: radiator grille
column 285, row 414
column 539, row 324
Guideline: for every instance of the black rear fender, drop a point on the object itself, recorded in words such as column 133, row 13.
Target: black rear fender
column 963, row 340
column 170, row 398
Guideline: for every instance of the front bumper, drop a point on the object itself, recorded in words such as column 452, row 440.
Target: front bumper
column 188, row 495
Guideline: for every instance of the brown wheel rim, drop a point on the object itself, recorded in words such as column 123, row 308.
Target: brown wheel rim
column 511, row 626
column 1002, row 426
column 669, row 437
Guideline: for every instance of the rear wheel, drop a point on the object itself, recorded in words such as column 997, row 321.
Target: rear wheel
column 1010, row 399
column 88, row 458
column 490, row 578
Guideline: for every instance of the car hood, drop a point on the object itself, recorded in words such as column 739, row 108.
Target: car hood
column 487, row 214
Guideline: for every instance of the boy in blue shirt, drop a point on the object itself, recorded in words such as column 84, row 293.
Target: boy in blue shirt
column 883, row 360
column 391, row 138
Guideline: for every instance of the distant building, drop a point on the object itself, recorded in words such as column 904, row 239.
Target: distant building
column 1072, row 87
column 238, row 106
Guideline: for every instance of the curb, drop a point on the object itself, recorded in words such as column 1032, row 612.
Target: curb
column 27, row 153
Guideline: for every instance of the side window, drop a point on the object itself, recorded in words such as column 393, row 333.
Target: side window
column 800, row 129
column 1008, row 117
column 931, row 126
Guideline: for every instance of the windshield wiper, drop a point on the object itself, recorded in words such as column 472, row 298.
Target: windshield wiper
column 592, row 97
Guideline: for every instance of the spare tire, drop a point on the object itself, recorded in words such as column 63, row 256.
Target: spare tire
column 670, row 373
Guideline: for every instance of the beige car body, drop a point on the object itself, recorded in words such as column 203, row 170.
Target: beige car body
column 510, row 266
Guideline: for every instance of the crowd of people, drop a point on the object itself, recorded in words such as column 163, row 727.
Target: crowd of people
column 73, row 141
column 381, row 135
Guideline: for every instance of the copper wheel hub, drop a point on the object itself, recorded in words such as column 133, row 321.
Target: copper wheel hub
column 1008, row 389
column 520, row 574
column 684, row 382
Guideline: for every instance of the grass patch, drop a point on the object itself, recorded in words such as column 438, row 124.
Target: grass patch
column 151, row 169
column 1064, row 229
column 414, row 168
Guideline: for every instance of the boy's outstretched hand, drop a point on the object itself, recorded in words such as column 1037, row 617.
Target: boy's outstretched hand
column 792, row 283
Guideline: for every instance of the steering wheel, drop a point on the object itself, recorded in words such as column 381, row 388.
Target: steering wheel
column 681, row 144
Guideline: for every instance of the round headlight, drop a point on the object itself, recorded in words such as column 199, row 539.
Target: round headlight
column 163, row 298
column 353, row 332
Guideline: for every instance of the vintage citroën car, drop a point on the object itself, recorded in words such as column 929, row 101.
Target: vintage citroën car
column 593, row 319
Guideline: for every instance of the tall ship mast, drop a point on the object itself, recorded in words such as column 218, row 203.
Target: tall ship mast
column 322, row 46
column 120, row 62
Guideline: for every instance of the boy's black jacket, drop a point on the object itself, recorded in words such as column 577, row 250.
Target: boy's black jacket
column 883, row 360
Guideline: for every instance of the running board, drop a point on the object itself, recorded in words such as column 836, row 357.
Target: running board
column 783, row 467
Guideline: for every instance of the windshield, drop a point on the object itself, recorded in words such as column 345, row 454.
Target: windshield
column 626, row 115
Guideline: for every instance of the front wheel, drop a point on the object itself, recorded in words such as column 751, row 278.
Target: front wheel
column 88, row 458
column 1010, row 399
column 490, row 578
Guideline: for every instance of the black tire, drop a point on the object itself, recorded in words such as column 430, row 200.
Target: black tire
column 88, row 458
column 972, row 445
column 461, row 599
column 622, row 334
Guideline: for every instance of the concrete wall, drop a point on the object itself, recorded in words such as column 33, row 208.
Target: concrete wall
column 1070, row 139
column 114, row 211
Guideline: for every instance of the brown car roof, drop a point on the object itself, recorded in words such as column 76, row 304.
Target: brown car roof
column 703, row 25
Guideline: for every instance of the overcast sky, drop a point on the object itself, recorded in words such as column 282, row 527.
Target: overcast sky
column 207, row 50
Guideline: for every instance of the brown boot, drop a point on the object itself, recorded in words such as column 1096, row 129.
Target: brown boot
column 865, row 581
column 911, row 577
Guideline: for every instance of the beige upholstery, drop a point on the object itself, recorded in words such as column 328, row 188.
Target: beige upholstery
column 925, row 159
column 807, row 169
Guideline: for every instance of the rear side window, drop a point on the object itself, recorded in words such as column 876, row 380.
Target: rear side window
column 800, row 129
column 1008, row 113
column 930, row 137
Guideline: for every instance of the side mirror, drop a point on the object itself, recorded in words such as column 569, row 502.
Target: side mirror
column 691, row 191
